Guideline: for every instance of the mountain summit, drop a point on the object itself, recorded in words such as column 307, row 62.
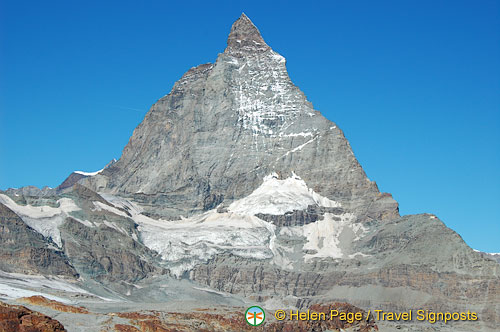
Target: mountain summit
column 224, row 127
column 234, row 191
column 245, row 38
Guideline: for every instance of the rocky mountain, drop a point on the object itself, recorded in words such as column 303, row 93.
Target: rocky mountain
column 78, row 175
column 234, row 191
column 227, row 125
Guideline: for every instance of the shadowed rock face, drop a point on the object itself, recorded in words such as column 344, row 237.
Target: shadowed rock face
column 105, row 254
column 23, row 250
column 299, row 217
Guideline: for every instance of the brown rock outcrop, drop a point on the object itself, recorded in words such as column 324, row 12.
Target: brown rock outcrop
column 15, row 318
column 42, row 301
column 205, row 321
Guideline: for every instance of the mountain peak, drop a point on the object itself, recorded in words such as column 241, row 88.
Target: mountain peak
column 245, row 38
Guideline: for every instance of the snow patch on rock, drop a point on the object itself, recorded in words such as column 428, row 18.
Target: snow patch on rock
column 323, row 237
column 185, row 243
column 331, row 237
column 188, row 242
column 99, row 206
column 88, row 173
column 16, row 285
column 276, row 197
column 132, row 207
column 265, row 94
column 44, row 219
column 96, row 172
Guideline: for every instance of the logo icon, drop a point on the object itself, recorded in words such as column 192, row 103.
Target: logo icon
column 255, row 316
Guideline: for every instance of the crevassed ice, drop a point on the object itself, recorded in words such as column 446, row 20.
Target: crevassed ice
column 277, row 197
column 188, row 242
column 185, row 243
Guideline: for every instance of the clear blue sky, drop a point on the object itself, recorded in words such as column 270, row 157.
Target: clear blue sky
column 415, row 85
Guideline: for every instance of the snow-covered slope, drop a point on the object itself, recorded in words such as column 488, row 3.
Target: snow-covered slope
column 187, row 242
column 43, row 219
column 277, row 197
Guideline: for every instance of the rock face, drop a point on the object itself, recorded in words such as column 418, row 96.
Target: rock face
column 70, row 180
column 400, row 254
column 23, row 250
column 76, row 176
column 234, row 186
column 226, row 125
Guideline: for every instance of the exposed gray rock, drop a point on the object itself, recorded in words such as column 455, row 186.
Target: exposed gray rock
column 245, row 39
column 300, row 217
column 76, row 176
column 418, row 254
column 224, row 126
column 23, row 250
column 105, row 254
column 71, row 180
column 31, row 194
column 494, row 256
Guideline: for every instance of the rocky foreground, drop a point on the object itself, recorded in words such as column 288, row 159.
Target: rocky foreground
column 14, row 318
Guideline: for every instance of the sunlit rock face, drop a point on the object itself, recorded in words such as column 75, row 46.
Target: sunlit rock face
column 227, row 125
